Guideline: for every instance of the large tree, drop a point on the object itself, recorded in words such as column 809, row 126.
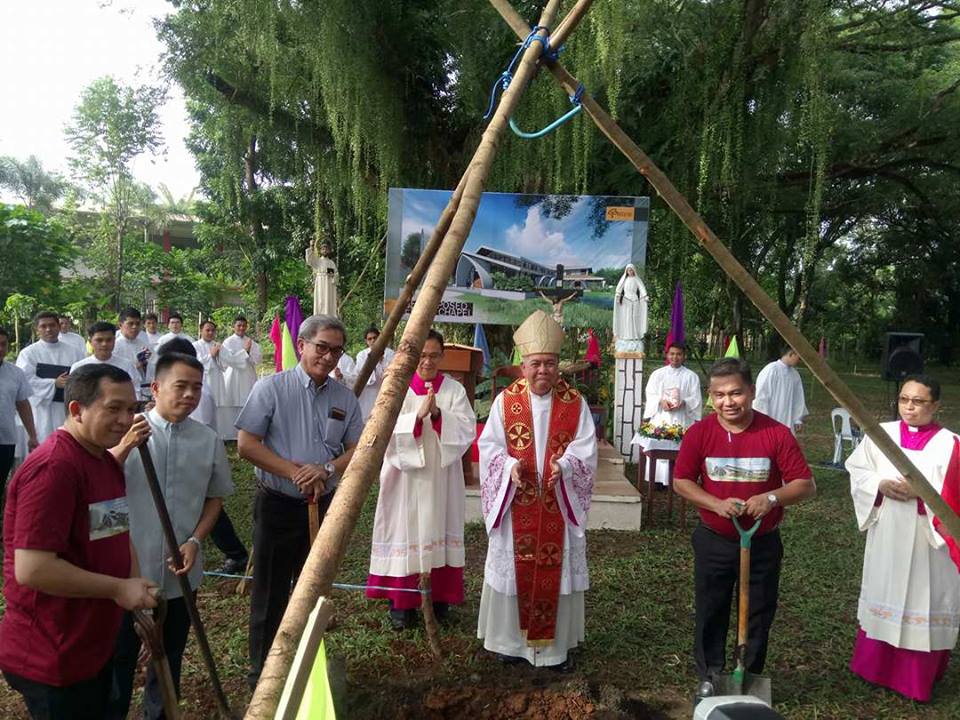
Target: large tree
column 112, row 124
column 793, row 125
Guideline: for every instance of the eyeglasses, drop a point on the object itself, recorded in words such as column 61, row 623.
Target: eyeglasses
column 919, row 402
column 323, row 349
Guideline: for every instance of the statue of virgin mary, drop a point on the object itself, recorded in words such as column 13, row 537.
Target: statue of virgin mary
column 630, row 311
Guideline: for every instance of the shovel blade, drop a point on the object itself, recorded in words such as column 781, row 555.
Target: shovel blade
column 755, row 685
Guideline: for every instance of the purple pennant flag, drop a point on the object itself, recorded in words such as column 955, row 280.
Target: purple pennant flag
column 293, row 316
column 677, row 333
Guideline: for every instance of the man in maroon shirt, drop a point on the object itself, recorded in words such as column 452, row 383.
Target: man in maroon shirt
column 737, row 463
column 68, row 570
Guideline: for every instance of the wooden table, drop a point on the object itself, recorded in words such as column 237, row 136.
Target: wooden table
column 653, row 450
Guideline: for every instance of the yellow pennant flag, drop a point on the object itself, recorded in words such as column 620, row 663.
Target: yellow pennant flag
column 289, row 353
column 306, row 693
column 317, row 702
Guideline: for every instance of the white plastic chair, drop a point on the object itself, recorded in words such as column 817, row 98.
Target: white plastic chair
column 843, row 432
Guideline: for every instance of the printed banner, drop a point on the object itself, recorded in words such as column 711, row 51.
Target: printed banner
column 525, row 252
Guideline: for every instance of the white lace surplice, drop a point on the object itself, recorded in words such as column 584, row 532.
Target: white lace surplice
column 420, row 510
column 910, row 594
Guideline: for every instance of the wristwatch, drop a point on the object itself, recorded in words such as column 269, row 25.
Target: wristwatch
column 331, row 470
column 772, row 499
column 195, row 541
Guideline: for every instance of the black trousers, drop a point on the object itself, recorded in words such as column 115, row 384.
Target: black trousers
column 281, row 541
column 6, row 462
column 85, row 700
column 176, row 630
column 224, row 536
column 716, row 567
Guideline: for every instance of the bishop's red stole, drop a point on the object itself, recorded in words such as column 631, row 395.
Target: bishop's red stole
column 538, row 524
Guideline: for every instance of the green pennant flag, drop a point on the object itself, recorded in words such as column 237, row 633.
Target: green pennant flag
column 733, row 350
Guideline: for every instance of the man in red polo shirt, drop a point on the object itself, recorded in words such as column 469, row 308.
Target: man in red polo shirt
column 737, row 463
column 68, row 571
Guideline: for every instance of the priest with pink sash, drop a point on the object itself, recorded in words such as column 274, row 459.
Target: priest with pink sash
column 418, row 526
column 909, row 608
column 538, row 459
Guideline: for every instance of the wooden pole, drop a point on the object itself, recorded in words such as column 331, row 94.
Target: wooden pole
column 327, row 552
column 410, row 286
column 170, row 538
column 429, row 617
column 750, row 287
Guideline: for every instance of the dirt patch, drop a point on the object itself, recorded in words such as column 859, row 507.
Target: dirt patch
column 556, row 703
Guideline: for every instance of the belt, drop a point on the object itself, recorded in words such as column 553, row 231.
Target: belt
column 281, row 496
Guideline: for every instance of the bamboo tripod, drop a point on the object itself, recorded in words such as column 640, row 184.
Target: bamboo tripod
column 437, row 263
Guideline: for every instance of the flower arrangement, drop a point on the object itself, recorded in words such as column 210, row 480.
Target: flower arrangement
column 672, row 432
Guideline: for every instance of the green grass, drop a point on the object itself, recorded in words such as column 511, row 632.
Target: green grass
column 636, row 661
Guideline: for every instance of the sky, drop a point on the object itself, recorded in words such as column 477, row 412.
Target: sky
column 525, row 231
column 50, row 50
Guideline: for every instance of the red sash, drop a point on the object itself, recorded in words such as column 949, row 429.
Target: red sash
column 538, row 525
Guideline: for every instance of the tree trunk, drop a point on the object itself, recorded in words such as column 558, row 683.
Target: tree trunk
column 255, row 225
column 119, row 241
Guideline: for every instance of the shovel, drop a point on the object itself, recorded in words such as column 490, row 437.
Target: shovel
column 740, row 682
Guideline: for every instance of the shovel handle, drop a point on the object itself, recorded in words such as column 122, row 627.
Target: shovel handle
column 313, row 519
column 743, row 606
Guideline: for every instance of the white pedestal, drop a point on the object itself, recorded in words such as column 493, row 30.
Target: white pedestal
column 627, row 403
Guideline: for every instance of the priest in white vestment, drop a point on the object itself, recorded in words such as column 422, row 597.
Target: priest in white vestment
column 780, row 391
column 673, row 397
column 240, row 375
column 102, row 339
column 418, row 526
column 369, row 394
column 909, row 608
column 538, row 460
column 216, row 359
column 41, row 358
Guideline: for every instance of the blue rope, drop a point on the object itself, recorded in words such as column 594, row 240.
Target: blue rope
column 569, row 115
column 338, row 586
column 503, row 81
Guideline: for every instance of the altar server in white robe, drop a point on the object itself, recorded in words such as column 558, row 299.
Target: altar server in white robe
column 780, row 391
column 369, row 395
column 673, row 397
column 909, row 608
column 418, row 526
column 150, row 330
column 132, row 343
column 346, row 371
column 175, row 330
column 538, row 460
column 216, row 359
column 48, row 411
column 102, row 339
column 68, row 336
column 241, row 374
